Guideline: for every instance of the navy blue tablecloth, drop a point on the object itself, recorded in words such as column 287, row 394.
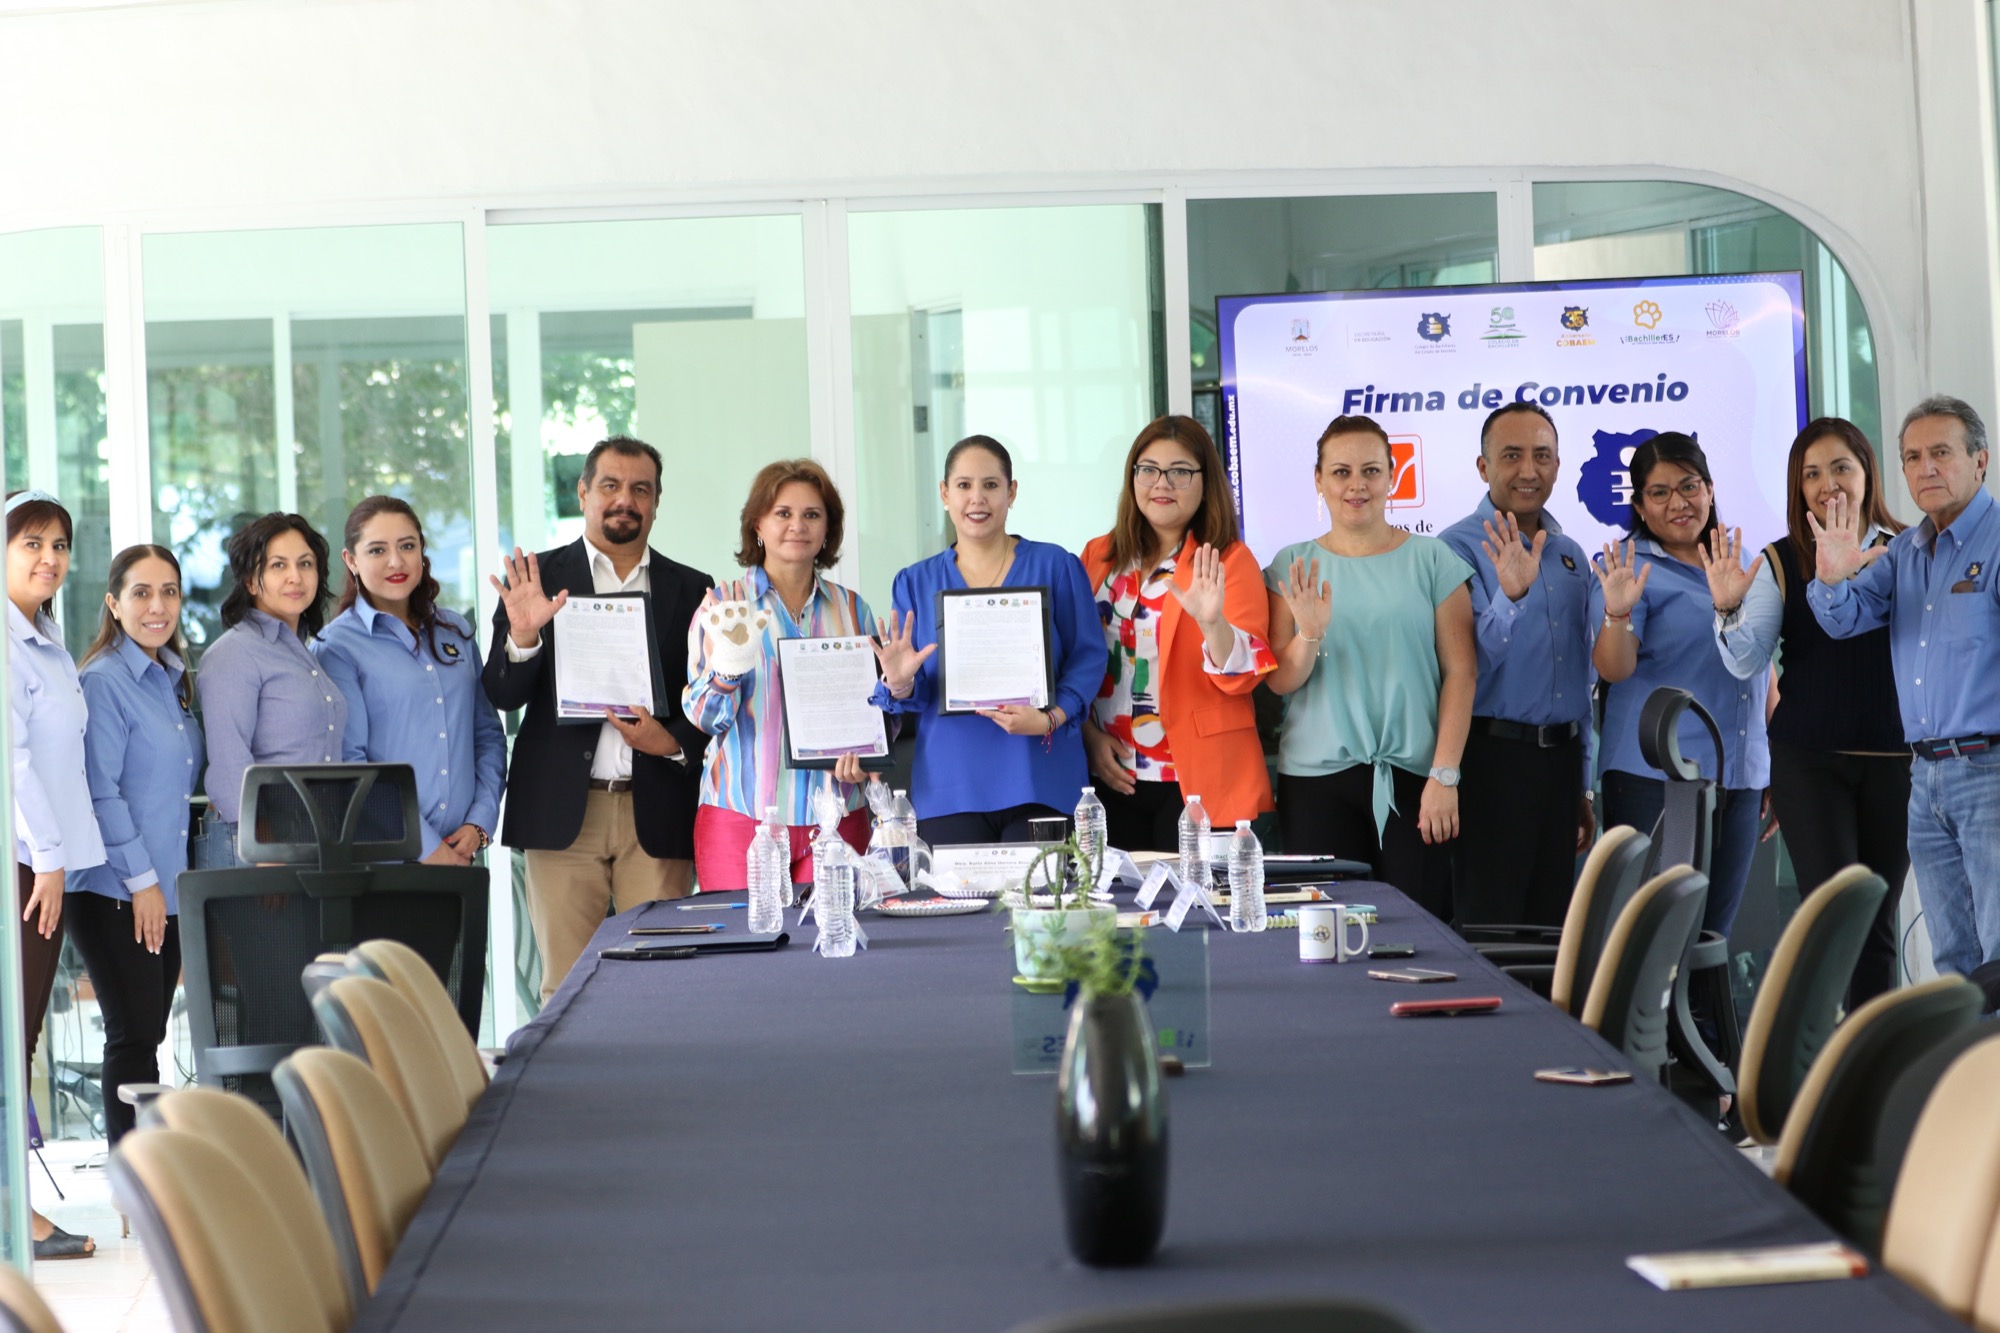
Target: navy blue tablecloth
column 783, row 1141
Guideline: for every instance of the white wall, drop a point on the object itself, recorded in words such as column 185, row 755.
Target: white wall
column 297, row 109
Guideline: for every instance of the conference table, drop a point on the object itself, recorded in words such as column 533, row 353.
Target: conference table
column 785, row 1141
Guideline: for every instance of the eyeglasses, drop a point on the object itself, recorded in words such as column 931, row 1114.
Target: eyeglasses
column 1687, row 490
column 1180, row 478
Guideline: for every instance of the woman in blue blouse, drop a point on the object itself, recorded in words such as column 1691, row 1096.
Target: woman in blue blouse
column 143, row 755
column 55, row 833
column 409, row 671
column 980, row 777
column 264, row 697
column 1655, row 621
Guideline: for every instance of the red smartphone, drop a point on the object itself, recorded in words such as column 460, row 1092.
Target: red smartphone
column 1470, row 1004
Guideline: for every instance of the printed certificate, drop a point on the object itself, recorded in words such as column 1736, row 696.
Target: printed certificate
column 605, row 657
column 993, row 648
column 823, row 686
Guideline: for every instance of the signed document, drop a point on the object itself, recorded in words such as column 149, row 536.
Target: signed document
column 605, row 657
column 824, row 685
column 993, row 648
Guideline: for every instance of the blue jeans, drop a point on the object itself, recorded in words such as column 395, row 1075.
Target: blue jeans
column 1631, row 799
column 1955, row 850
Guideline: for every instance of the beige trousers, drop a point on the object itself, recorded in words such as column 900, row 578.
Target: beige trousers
column 605, row 868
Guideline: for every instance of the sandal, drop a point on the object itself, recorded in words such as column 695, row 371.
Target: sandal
column 60, row 1244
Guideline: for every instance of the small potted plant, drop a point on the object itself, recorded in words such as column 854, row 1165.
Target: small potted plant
column 1111, row 1112
column 1061, row 917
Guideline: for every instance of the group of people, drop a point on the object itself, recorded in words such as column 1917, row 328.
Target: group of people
column 1438, row 717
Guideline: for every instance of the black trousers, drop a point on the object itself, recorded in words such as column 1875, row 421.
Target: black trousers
column 1515, row 858
column 1149, row 820
column 973, row 826
column 135, row 993
column 1334, row 815
column 1837, row 810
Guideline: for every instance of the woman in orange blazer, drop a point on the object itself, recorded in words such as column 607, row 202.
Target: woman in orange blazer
column 1187, row 623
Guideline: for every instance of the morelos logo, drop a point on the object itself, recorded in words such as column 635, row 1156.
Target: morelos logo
column 1723, row 318
column 1302, row 330
column 1434, row 328
column 1575, row 317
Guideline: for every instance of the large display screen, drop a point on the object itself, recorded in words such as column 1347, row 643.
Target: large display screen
column 1614, row 362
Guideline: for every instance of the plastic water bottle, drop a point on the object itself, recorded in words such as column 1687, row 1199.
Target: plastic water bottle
column 903, row 818
column 770, row 875
column 1246, row 880
column 1092, row 836
column 1194, row 844
column 833, row 896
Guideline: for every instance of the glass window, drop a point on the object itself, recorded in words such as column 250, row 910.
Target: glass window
column 1250, row 247
column 1037, row 326
column 1615, row 229
column 688, row 333
column 52, row 419
column 301, row 371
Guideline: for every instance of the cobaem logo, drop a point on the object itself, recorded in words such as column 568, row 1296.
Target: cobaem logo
column 1406, row 454
column 1575, row 317
column 1433, row 327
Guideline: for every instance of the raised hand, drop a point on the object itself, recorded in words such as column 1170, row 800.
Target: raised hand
column 1728, row 581
column 1837, row 551
column 1517, row 566
column 735, row 634
column 1623, row 581
column 895, row 649
column 1312, row 608
column 1203, row 597
column 528, row 607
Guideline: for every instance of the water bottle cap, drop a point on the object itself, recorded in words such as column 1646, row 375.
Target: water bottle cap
column 902, row 791
column 1193, row 799
column 1242, row 826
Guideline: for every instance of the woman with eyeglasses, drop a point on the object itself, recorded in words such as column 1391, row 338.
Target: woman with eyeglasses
column 980, row 777
column 1840, row 772
column 143, row 755
column 1655, row 626
column 1187, row 624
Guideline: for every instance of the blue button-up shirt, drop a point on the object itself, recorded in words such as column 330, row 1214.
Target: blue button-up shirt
column 1674, row 622
column 53, row 826
column 408, row 704
column 1937, row 593
column 1534, row 654
column 264, row 700
column 143, row 755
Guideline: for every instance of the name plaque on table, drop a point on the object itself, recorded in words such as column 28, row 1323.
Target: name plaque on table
column 1174, row 988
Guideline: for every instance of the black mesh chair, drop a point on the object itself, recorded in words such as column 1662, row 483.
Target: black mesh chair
column 1629, row 997
column 1830, row 1153
column 1560, row 964
column 335, row 842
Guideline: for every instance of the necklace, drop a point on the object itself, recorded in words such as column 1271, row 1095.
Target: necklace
column 982, row 581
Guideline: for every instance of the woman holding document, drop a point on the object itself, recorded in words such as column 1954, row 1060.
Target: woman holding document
column 1002, row 685
column 409, row 671
column 791, row 528
column 1185, row 620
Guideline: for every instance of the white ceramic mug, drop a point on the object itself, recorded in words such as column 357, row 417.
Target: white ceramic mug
column 1323, row 934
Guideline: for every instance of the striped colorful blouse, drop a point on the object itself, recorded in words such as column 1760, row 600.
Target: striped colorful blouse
column 745, row 769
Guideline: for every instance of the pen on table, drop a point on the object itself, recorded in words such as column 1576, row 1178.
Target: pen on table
column 710, row 907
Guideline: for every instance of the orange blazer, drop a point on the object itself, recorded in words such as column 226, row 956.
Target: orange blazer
column 1211, row 724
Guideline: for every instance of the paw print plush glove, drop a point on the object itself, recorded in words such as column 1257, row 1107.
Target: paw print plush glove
column 735, row 633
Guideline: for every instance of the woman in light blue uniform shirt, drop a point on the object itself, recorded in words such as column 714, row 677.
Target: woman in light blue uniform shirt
column 409, row 671
column 143, row 756
column 55, row 833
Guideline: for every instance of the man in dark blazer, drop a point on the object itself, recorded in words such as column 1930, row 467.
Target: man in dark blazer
column 604, row 813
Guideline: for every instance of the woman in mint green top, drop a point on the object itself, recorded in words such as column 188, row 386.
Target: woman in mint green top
column 1373, row 631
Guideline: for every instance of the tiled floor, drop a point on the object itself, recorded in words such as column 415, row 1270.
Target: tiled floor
column 113, row 1292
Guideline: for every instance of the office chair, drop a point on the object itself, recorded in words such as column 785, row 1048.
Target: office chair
column 248, row 932
column 1799, row 1001
column 1563, row 969
column 1828, row 1154
column 1942, row 1212
column 361, row 1155
column 1628, row 1001
column 367, row 1019
column 225, row 1260
column 1904, row 1100
column 241, row 1129
column 22, row 1309
column 407, row 973
column 1253, row 1316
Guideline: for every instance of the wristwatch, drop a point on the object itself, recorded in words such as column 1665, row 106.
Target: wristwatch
column 1445, row 777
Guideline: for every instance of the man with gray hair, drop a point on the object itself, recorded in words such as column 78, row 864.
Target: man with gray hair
column 1937, row 587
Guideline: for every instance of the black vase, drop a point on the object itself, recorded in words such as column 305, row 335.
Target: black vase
column 1111, row 1133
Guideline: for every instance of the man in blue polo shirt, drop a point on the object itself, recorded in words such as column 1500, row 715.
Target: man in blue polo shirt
column 1523, row 806
column 1934, row 586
